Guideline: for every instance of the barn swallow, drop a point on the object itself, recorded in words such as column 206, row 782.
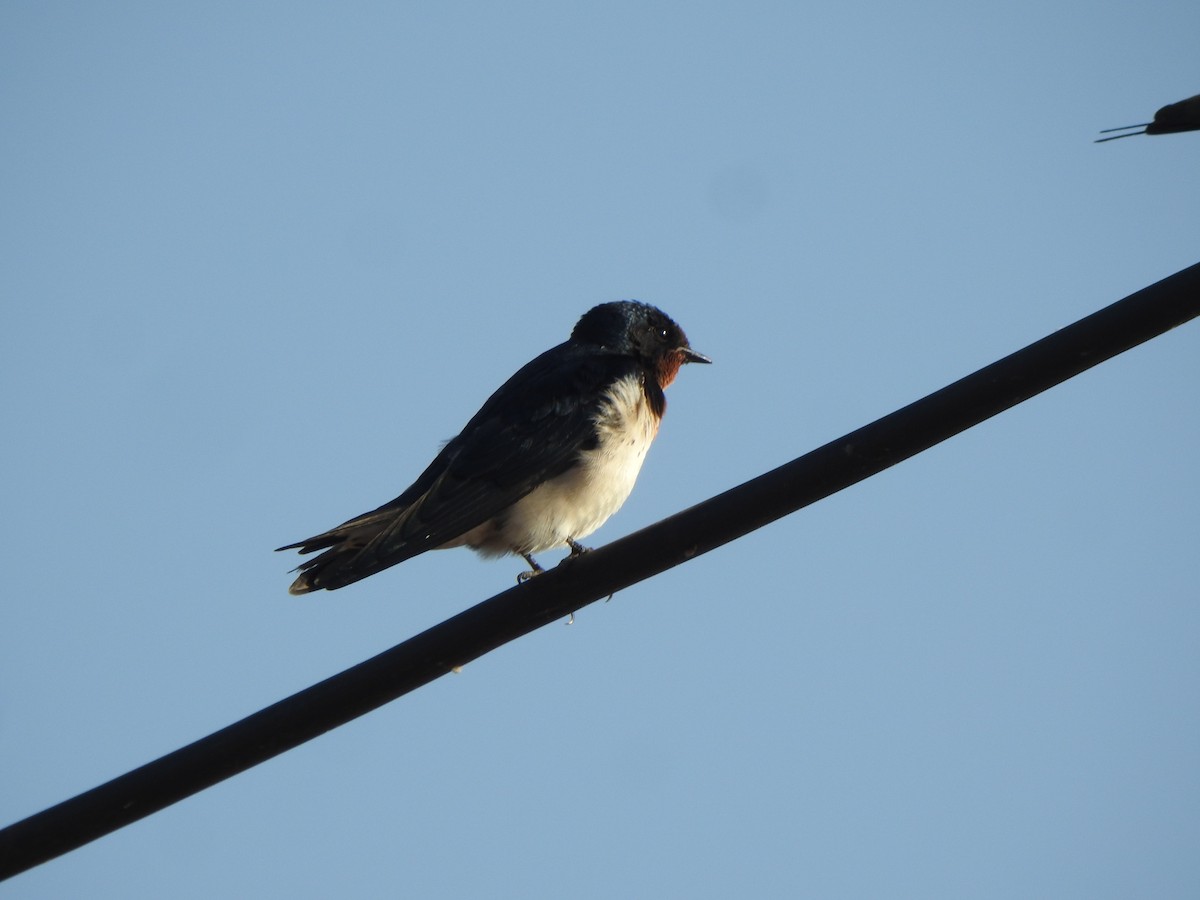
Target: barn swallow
column 547, row 459
column 1171, row 119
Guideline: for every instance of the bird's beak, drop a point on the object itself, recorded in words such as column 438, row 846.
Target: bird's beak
column 690, row 356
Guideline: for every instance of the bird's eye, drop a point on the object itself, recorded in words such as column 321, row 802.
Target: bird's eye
column 662, row 334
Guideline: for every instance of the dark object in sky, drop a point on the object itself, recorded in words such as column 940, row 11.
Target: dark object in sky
column 1171, row 119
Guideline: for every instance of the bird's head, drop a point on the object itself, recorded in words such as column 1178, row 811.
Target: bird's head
column 642, row 331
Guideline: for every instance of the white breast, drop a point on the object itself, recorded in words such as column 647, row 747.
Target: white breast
column 578, row 502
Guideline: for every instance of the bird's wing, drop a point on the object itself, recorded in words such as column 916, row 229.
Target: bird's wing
column 529, row 431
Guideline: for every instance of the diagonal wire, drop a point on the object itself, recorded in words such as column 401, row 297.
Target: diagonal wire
column 518, row 611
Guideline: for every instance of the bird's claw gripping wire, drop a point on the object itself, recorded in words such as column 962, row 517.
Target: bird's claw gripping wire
column 534, row 569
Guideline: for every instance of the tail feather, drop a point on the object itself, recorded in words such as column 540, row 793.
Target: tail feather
column 343, row 561
column 337, row 567
column 329, row 571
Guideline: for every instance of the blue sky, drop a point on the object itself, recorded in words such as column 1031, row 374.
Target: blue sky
column 258, row 261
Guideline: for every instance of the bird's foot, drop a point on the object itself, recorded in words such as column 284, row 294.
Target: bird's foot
column 534, row 569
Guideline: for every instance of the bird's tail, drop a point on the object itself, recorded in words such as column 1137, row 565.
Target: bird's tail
column 347, row 557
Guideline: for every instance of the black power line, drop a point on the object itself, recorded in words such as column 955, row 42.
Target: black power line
column 587, row 578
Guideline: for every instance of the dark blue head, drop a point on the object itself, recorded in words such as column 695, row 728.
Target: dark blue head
column 639, row 330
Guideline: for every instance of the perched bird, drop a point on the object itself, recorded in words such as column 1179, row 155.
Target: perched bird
column 546, row 460
column 1171, row 119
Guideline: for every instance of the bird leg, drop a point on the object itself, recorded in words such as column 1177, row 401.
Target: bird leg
column 534, row 569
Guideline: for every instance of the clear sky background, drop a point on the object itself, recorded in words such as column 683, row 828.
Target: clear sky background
column 259, row 260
